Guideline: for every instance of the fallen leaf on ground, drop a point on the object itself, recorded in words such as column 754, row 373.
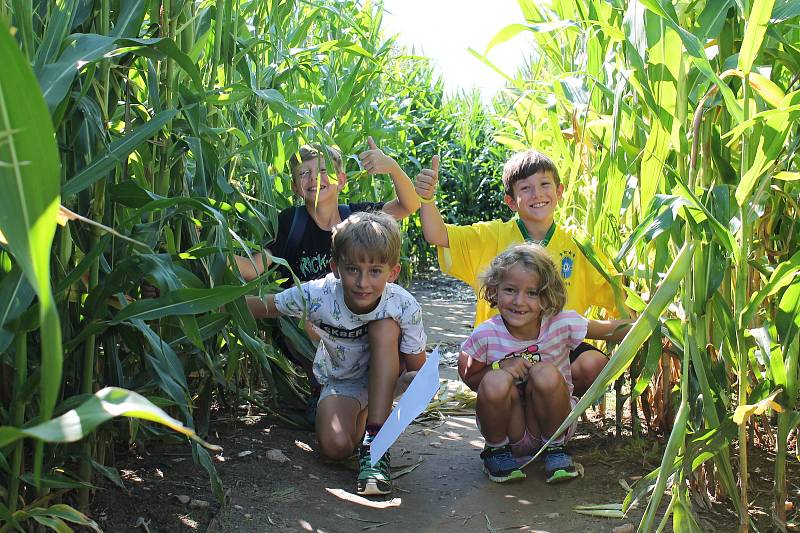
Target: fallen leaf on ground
column 624, row 528
column 244, row 453
column 184, row 499
column 303, row 446
column 360, row 500
column 402, row 471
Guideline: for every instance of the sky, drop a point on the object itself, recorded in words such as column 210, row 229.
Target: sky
column 444, row 29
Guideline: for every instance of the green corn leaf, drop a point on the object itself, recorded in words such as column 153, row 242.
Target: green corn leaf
column 104, row 405
column 783, row 275
column 56, row 524
column 184, row 302
column 58, row 26
column 29, row 179
column 770, row 145
column 65, row 512
column 787, row 320
column 754, row 33
column 115, row 154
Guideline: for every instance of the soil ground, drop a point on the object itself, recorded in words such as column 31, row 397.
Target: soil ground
column 294, row 490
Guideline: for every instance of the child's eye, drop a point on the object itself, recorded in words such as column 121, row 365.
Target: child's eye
column 546, row 184
column 377, row 271
column 507, row 290
column 533, row 294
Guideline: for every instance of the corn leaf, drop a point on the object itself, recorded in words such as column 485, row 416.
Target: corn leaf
column 104, row 405
column 754, row 33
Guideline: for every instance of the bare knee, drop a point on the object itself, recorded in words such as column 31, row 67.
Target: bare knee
column 335, row 445
column 495, row 386
column 588, row 365
column 384, row 331
column 545, row 379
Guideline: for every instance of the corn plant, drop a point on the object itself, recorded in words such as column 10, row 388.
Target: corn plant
column 674, row 126
column 172, row 124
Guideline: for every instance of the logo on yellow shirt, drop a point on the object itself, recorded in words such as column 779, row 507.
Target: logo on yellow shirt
column 567, row 263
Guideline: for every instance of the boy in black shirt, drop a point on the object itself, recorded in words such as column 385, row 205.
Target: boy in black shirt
column 303, row 238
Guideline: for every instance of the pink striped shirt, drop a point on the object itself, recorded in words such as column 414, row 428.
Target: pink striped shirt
column 559, row 334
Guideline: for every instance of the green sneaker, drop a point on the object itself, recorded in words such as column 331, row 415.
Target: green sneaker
column 373, row 480
column 500, row 465
column 558, row 465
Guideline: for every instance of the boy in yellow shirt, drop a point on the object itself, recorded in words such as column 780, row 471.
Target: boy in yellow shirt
column 532, row 190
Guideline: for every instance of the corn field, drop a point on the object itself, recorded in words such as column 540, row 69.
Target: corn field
column 148, row 140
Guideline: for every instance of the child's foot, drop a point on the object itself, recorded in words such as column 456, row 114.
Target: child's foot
column 373, row 480
column 500, row 465
column 558, row 465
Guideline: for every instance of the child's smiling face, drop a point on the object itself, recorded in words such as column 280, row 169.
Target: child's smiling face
column 519, row 304
column 535, row 197
column 311, row 181
column 363, row 282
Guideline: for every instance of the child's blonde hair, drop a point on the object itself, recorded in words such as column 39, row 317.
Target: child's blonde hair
column 525, row 164
column 307, row 152
column 535, row 260
column 367, row 236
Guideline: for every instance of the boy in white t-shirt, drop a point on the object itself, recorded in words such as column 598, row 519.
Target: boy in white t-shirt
column 370, row 330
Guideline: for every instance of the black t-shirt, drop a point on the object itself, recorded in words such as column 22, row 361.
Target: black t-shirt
column 311, row 258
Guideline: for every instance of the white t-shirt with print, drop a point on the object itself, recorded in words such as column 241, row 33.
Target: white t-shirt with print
column 343, row 352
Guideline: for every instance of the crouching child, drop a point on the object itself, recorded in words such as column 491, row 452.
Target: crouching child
column 372, row 339
column 518, row 362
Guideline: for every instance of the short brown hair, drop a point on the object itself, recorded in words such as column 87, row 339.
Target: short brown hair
column 365, row 235
column 535, row 260
column 524, row 164
column 307, row 152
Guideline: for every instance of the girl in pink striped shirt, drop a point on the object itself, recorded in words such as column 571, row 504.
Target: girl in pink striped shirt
column 518, row 362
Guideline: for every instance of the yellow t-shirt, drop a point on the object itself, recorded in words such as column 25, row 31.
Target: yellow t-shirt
column 473, row 247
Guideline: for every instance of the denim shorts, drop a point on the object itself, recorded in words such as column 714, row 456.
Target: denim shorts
column 357, row 388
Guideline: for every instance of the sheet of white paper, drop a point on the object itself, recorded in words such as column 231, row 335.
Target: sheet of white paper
column 411, row 404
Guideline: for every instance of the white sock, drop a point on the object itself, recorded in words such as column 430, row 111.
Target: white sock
column 497, row 445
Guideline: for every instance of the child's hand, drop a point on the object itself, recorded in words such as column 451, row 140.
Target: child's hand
column 375, row 161
column 516, row 366
column 426, row 181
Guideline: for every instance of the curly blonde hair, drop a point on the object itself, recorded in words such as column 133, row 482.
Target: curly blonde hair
column 535, row 260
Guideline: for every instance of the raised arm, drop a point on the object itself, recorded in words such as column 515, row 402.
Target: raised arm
column 433, row 228
column 609, row 330
column 250, row 270
column 375, row 161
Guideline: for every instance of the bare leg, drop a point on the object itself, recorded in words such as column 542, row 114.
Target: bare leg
column 585, row 370
column 384, row 367
column 499, row 408
column 549, row 399
column 340, row 424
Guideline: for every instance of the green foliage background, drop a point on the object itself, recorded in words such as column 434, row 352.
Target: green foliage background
column 674, row 125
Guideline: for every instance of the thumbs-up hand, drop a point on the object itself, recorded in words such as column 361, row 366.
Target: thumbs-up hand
column 427, row 180
column 374, row 161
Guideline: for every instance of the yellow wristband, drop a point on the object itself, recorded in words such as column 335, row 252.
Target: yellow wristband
column 496, row 365
column 426, row 200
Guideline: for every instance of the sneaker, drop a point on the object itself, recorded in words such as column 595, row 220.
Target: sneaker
column 558, row 465
column 500, row 465
column 373, row 480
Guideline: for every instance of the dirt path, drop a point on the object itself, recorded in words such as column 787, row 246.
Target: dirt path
column 447, row 491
